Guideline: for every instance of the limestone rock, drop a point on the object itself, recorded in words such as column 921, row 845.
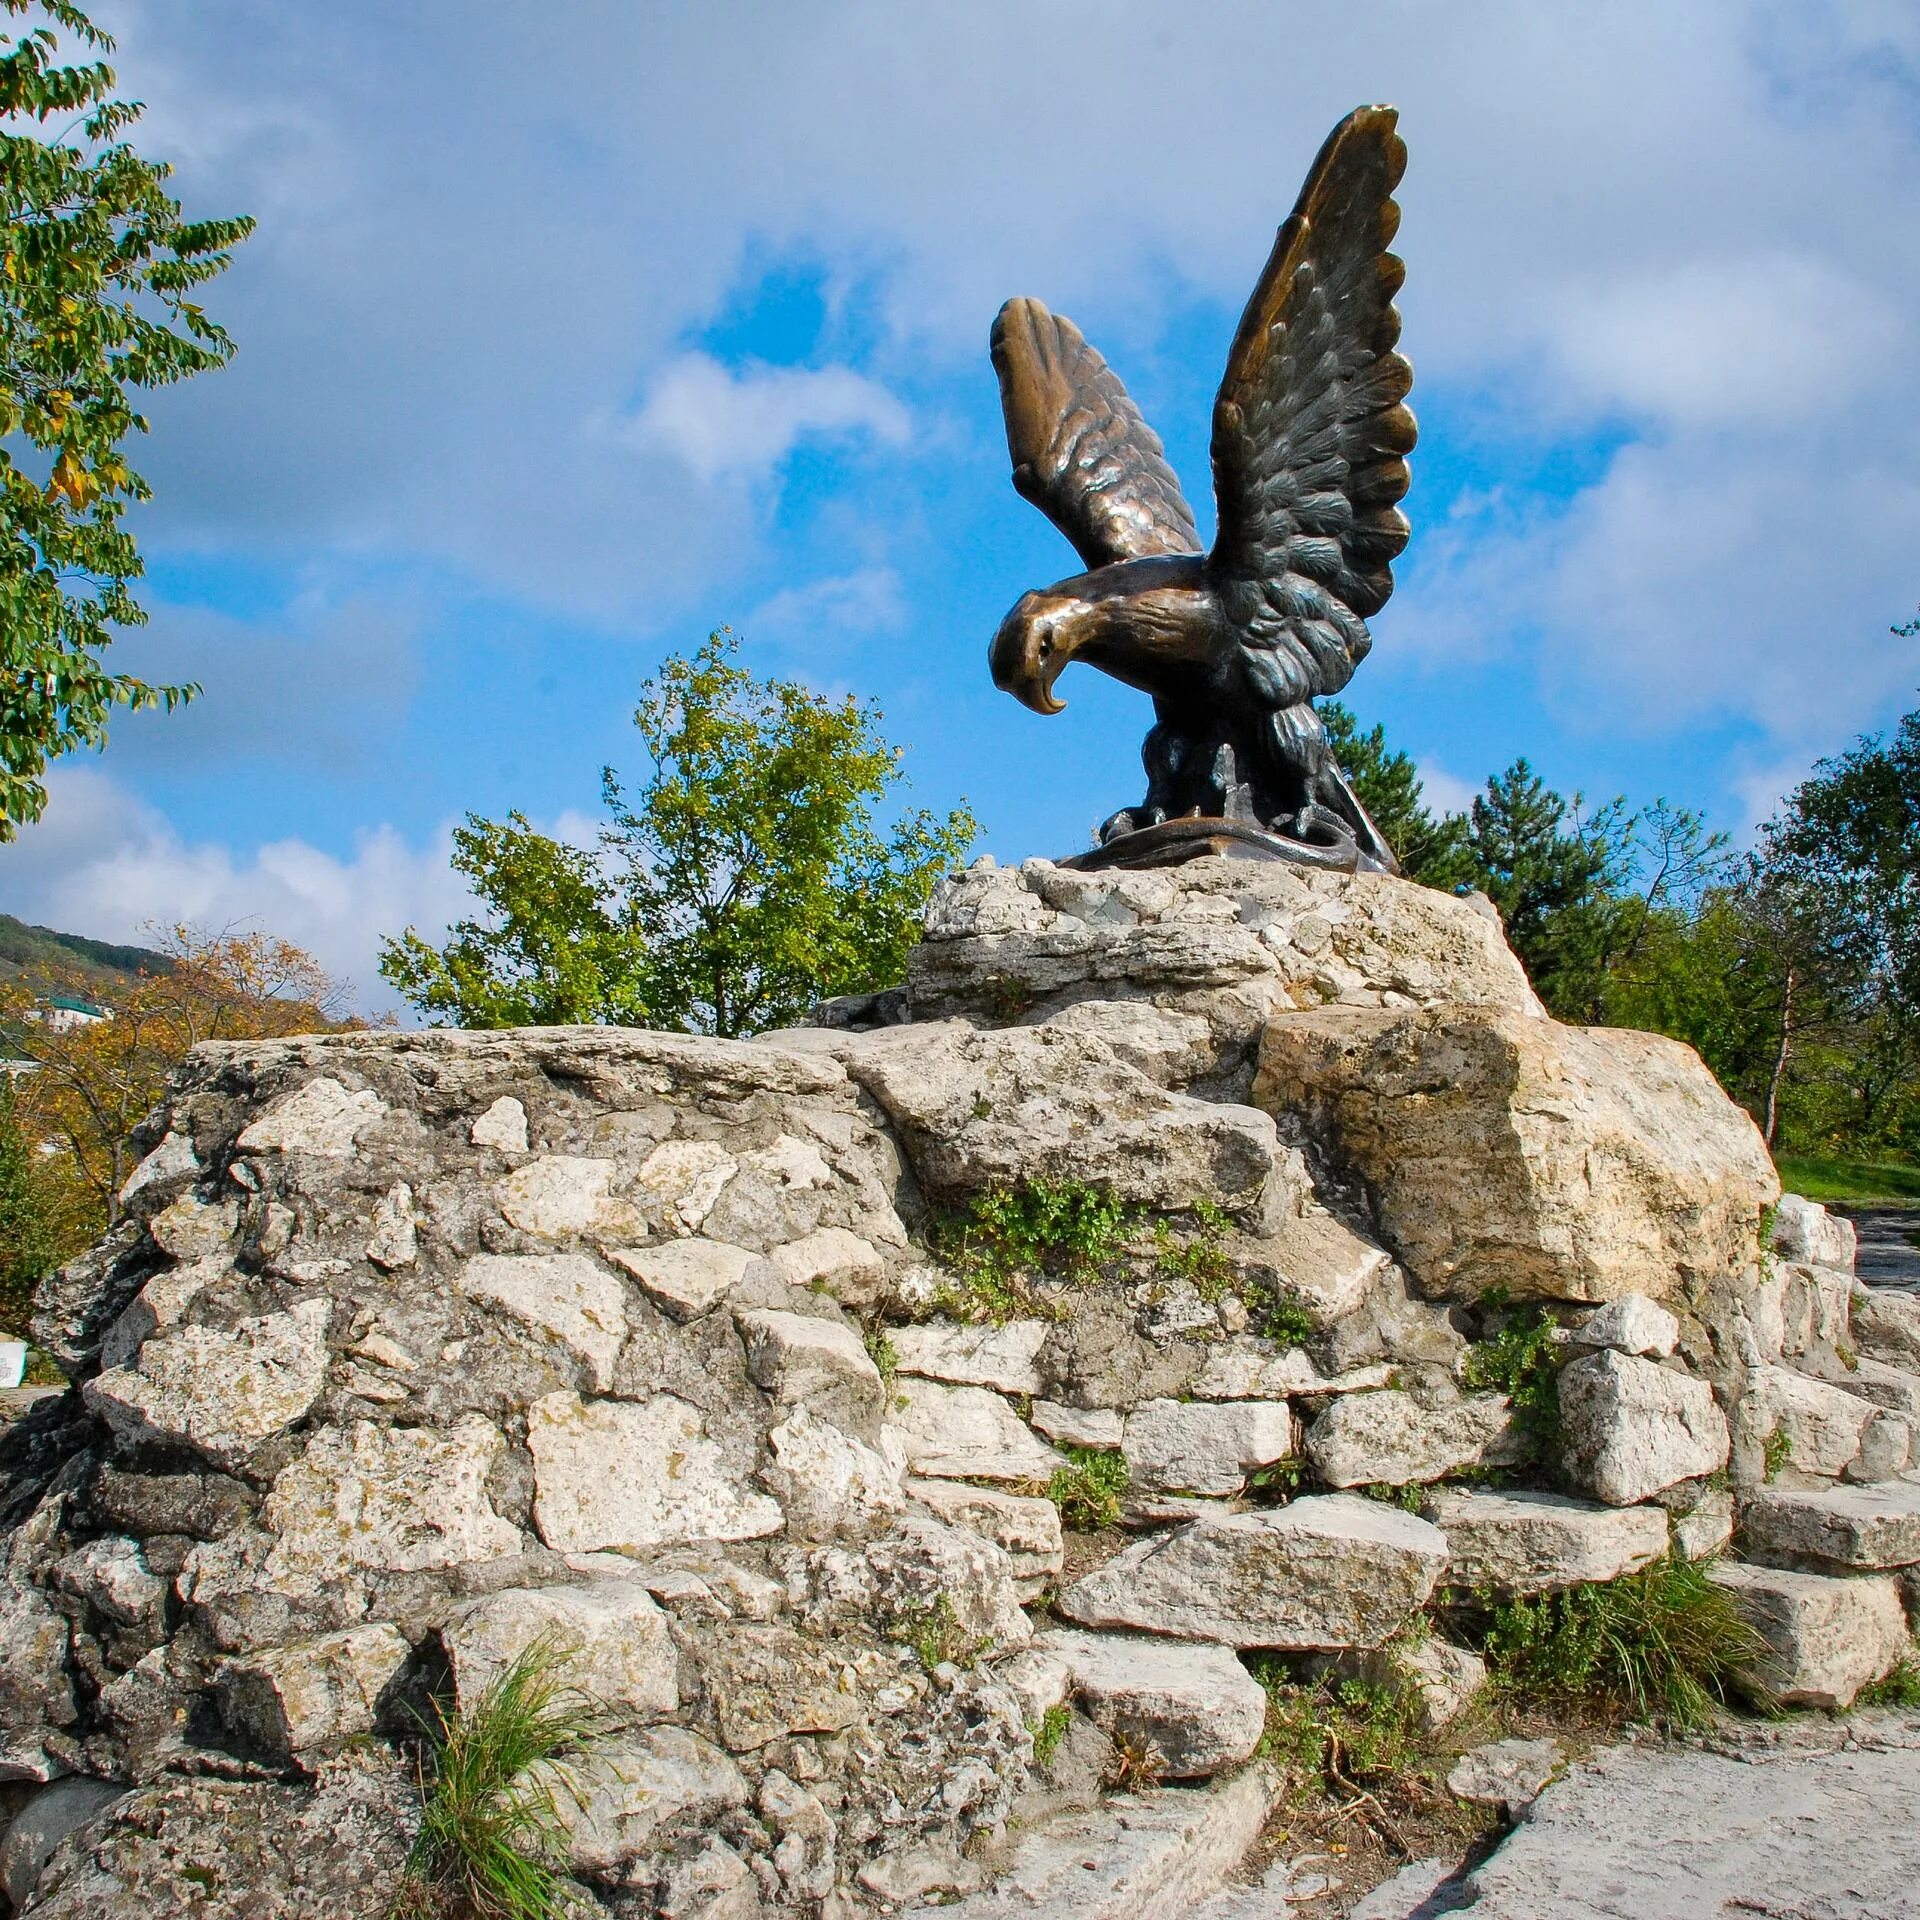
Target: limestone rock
column 1171, row 1048
column 192, row 1228
column 1706, row 1528
column 680, row 1180
column 560, row 1196
column 320, row 1118
column 1887, row 1325
column 1325, row 1572
column 391, row 1499
column 977, row 1110
column 1097, row 1429
column 171, row 1165
column 503, row 1126
column 1506, row 1773
column 685, row 1278
column 1816, row 1428
column 396, row 1240
column 1834, row 1528
column 1826, row 1638
column 1804, row 1230
column 764, row 1682
column 1255, row 1370
column 1175, row 1446
column 293, row 1698
column 835, row 1261
column 1437, row 1680
column 643, row 1790
column 1388, row 1438
column 1523, row 1542
column 1631, row 1428
column 1313, row 1257
column 37, row 1829
column 567, row 1296
column 826, row 1481
column 160, row 1304
column 1025, row 1528
column 967, row 1433
column 219, row 1393
column 821, row 1364
column 1001, row 1357
column 1567, row 1163
column 621, row 1474
column 918, row 1575
column 1195, row 1707
column 804, row 1853
column 614, row 1638
column 1632, row 1324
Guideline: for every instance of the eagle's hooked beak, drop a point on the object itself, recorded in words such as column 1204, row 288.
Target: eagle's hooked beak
column 1029, row 652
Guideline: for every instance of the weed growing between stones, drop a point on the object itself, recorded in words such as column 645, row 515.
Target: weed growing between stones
column 937, row 1637
column 1665, row 1645
column 884, row 1355
column 1777, row 1452
column 1278, row 1315
column 1201, row 1259
column 1009, row 1237
column 490, row 1789
column 1520, row 1358
column 1048, row 1731
column 1136, row 1764
column 1898, row 1688
column 1089, row 1489
column 1409, row 1499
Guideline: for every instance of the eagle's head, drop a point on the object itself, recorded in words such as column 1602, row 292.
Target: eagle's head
column 1042, row 633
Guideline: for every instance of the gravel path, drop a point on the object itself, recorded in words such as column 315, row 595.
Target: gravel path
column 1811, row 1821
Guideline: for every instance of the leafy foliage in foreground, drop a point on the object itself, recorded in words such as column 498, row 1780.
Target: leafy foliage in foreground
column 1664, row 1645
column 744, row 882
column 1088, row 1491
column 491, row 1824
column 97, row 273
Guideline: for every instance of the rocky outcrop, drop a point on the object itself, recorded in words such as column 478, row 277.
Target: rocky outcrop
column 414, row 1351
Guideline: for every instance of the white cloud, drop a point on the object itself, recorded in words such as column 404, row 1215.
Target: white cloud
column 725, row 425
column 843, row 606
column 1444, row 792
column 104, row 863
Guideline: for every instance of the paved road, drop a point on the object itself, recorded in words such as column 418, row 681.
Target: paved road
column 1888, row 1256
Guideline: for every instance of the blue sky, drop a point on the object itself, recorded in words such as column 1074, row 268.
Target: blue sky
column 572, row 330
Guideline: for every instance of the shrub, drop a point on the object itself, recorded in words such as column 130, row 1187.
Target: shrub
column 1777, row 1452
column 936, row 1635
column 1005, row 1238
column 1339, row 1733
column 1521, row 1359
column 491, row 1789
column 1088, row 1489
column 1900, row 1688
column 1665, row 1644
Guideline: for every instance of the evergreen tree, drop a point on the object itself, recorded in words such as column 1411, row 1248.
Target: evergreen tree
column 1435, row 849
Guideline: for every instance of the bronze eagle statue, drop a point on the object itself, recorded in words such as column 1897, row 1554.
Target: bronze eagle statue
column 1310, row 441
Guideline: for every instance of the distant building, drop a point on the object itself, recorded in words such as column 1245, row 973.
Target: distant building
column 64, row 1011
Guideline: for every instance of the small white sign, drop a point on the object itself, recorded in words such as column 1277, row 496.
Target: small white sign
column 13, row 1362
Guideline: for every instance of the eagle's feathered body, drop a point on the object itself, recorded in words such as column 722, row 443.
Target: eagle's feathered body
column 1310, row 438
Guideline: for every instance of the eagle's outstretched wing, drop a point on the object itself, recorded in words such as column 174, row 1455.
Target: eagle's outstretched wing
column 1081, row 452
column 1309, row 434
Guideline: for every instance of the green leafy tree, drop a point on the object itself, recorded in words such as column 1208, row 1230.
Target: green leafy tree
column 46, row 1216
column 97, row 270
column 743, row 882
column 1435, row 849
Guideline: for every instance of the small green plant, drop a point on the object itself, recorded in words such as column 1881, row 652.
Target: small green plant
column 1520, row 1358
column 1769, row 1218
column 1048, row 1731
column 1008, row 1237
column 1411, row 1499
column 491, row 1788
column 936, row 1635
column 884, row 1355
column 1089, row 1489
column 1847, row 1357
column 1664, row 1645
column 1200, row 1259
column 1278, row 1315
column 1136, row 1763
column 1336, row 1732
column 1899, row 1688
column 1275, row 1485
column 1777, row 1452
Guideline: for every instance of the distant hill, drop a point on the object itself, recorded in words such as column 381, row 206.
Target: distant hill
column 31, row 951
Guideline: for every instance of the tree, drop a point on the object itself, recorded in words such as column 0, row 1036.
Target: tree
column 45, row 1216
column 745, row 881
column 1435, row 849
column 94, row 1082
column 96, row 270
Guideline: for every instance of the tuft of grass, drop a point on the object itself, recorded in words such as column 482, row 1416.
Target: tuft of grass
column 1898, row 1688
column 1136, row 1764
column 491, row 1786
column 1521, row 1359
column 1048, row 1731
column 1089, row 1489
column 1664, row 1645
column 936, row 1636
column 1777, row 1453
column 1409, row 1499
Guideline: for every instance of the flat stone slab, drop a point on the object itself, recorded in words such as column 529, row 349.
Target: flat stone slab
column 1793, row 1825
column 1536, row 1542
column 967, row 1433
column 1197, row 1707
column 1192, row 1446
column 1826, row 1638
column 1506, row 1773
column 1632, row 1428
column 1389, row 1439
column 1861, row 1528
column 1327, row 1572
column 1149, row 1856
